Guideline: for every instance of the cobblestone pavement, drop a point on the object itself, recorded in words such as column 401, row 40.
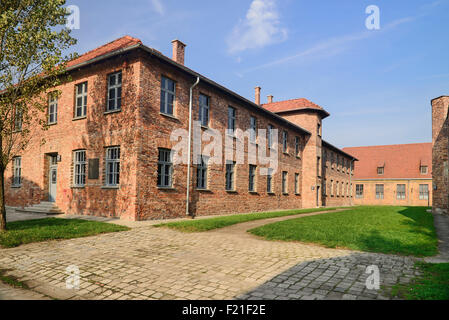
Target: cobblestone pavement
column 158, row 263
column 10, row 293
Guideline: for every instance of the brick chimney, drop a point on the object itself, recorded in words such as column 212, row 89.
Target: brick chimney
column 258, row 95
column 178, row 51
column 270, row 99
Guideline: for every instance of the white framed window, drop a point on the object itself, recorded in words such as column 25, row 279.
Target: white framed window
column 230, row 169
column 297, row 184
column 359, row 191
column 270, row 181
column 253, row 130
column 297, row 146
column 231, row 120
column 400, row 192
column 113, row 166
column 17, row 172
column 81, row 100
column 114, row 91
column 252, row 178
column 18, row 119
column 424, row 169
column 201, row 172
column 165, row 169
column 270, row 139
column 423, row 192
column 284, row 141
column 168, row 96
column 204, row 110
column 380, row 171
column 52, row 108
column 284, row 182
column 79, row 168
column 379, row 191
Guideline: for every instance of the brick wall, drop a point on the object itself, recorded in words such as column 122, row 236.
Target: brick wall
column 440, row 134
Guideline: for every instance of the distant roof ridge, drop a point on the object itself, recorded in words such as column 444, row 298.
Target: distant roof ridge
column 391, row 145
column 111, row 42
column 294, row 99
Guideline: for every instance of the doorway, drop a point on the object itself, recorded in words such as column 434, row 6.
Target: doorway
column 53, row 178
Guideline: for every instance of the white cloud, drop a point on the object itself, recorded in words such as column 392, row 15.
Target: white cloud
column 158, row 7
column 260, row 28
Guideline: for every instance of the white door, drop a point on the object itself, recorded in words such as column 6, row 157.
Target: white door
column 53, row 176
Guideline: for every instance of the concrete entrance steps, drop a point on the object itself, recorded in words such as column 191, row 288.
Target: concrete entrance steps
column 48, row 208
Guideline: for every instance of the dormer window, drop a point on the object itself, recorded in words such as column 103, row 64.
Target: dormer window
column 424, row 169
column 380, row 171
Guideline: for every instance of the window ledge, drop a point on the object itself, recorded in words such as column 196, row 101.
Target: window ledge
column 231, row 191
column 286, row 153
column 77, row 187
column 170, row 116
column 52, row 124
column 298, row 194
column 79, row 118
column 253, row 192
column 205, row 127
column 285, row 193
column 166, row 188
column 204, row 190
column 271, row 193
column 16, row 186
column 110, row 187
column 112, row 111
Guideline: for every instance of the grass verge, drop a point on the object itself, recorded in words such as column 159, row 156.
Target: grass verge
column 11, row 281
column 395, row 230
column 221, row 222
column 433, row 284
column 23, row 232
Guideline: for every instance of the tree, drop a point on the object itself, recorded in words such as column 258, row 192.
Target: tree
column 33, row 40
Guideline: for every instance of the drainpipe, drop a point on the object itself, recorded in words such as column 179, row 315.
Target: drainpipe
column 190, row 144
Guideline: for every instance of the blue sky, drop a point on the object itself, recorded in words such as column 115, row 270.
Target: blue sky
column 377, row 84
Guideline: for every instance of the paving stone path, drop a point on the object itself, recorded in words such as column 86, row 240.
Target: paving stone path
column 10, row 293
column 158, row 263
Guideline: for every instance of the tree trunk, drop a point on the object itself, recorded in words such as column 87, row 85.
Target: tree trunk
column 2, row 200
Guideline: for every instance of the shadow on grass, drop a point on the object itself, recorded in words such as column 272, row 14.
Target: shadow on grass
column 44, row 223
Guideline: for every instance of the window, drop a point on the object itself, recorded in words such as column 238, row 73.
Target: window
column 379, row 191
column 231, row 120
column 167, row 96
column 332, row 188
column 201, row 173
column 79, row 167
column 423, row 192
column 380, row 171
column 81, row 100
column 270, row 181
column 285, row 141
column 17, row 171
column 400, row 191
column 319, row 129
column 252, row 178
column 270, row 139
column 253, row 130
column 284, row 182
column 204, row 110
column 230, row 167
column 113, row 166
column 297, row 184
column 297, row 146
column 115, row 91
column 164, row 169
column 318, row 166
column 52, row 108
column 18, row 119
column 424, row 169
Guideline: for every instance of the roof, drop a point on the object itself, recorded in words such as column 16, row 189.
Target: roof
column 128, row 43
column 334, row 148
column 121, row 43
column 294, row 105
column 401, row 161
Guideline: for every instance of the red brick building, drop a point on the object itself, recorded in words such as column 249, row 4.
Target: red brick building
column 110, row 145
column 393, row 175
column 440, row 146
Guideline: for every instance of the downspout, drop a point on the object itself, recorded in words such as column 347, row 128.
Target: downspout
column 190, row 144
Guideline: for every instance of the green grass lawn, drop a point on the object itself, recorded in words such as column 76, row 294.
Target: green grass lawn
column 23, row 232
column 433, row 284
column 396, row 230
column 221, row 222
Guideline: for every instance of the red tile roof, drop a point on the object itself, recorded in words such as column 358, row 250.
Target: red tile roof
column 400, row 161
column 121, row 43
column 294, row 105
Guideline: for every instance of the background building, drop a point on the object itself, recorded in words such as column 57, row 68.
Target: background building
column 440, row 143
column 393, row 175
